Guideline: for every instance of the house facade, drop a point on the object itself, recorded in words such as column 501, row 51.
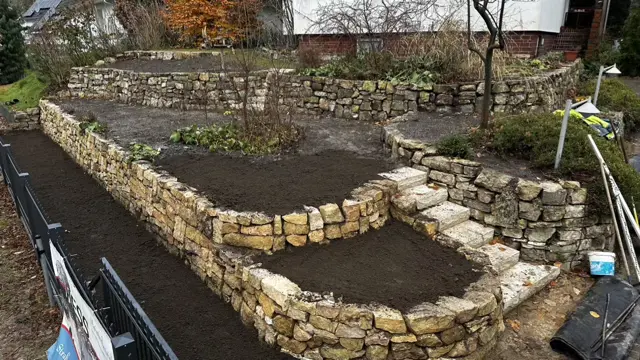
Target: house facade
column 105, row 21
column 534, row 27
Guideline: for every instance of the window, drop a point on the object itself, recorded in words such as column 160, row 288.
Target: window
column 367, row 45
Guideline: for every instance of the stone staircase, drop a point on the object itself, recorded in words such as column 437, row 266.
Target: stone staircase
column 425, row 206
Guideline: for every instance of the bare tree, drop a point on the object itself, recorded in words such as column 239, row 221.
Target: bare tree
column 496, row 41
column 379, row 17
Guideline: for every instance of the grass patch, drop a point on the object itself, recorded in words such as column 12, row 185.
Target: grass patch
column 616, row 96
column 28, row 91
column 534, row 137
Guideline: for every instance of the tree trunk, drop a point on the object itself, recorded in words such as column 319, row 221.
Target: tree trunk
column 486, row 100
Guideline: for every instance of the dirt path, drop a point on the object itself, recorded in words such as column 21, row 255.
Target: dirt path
column 28, row 326
column 530, row 326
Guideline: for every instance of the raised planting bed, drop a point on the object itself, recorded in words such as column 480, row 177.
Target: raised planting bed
column 195, row 322
column 368, row 100
column 334, row 158
column 545, row 218
column 393, row 266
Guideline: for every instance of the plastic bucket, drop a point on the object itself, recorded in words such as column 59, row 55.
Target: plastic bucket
column 602, row 263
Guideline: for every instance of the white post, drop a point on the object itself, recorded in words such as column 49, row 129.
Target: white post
column 595, row 96
column 563, row 133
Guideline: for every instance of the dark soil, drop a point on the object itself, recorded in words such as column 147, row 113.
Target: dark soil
column 432, row 127
column 193, row 320
column 275, row 187
column 512, row 166
column 394, row 266
column 335, row 157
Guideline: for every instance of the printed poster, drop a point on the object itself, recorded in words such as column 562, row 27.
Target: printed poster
column 81, row 331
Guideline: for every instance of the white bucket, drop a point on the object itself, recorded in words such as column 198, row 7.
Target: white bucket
column 602, row 263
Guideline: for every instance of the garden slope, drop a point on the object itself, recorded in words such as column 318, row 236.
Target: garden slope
column 195, row 323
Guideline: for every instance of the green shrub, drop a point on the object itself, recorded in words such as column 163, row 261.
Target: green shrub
column 12, row 53
column 630, row 47
column 606, row 55
column 142, row 152
column 93, row 126
column 534, row 137
column 257, row 139
column 615, row 95
column 455, row 146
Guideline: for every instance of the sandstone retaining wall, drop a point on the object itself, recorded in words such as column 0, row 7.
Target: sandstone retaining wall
column 310, row 325
column 363, row 100
column 28, row 119
column 547, row 221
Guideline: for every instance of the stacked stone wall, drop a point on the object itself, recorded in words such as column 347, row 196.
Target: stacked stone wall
column 363, row 100
column 311, row 325
column 546, row 220
column 28, row 119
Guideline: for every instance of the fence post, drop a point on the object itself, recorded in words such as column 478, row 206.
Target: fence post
column 45, row 270
column 124, row 347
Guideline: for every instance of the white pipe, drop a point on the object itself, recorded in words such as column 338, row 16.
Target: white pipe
column 595, row 96
column 563, row 133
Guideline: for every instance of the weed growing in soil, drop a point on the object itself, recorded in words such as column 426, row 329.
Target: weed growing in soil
column 89, row 124
column 142, row 152
column 534, row 137
column 615, row 95
column 455, row 146
column 258, row 138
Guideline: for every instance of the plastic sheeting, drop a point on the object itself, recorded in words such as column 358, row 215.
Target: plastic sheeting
column 583, row 329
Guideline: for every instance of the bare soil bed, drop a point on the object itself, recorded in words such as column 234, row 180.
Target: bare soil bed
column 433, row 127
column 394, row 266
column 193, row 320
column 335, row 157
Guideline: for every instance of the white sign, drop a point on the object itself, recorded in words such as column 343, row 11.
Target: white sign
column 91, row 340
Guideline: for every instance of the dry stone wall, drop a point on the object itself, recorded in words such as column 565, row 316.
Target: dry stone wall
column 363, row 100
column 308, row 325
column 547, row 221
column 28, row 119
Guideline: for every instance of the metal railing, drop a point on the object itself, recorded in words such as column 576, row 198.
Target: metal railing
column 133, row 335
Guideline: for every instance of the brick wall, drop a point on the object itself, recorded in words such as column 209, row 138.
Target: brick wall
column 571, row 39
column 526, row 42
column 594, row 33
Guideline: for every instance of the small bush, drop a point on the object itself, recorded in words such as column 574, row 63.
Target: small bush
column 258, row 138
column 606, row 55
column 615, row 95
column 455, row 146
column 534, row 137
column 630, row 47
column 309, row 57
column 142, row 152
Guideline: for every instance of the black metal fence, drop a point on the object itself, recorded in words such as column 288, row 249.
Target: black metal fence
column 133, row 335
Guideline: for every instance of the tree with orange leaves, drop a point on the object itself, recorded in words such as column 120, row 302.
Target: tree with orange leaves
column 208, row 19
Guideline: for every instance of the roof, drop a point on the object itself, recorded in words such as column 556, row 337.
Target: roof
column 40, row 11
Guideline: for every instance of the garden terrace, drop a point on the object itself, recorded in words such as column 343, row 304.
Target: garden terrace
column 351, row 99
column 546, row 219
column 196, row 323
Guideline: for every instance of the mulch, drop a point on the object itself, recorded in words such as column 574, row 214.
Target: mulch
column 394, row 266
column 280, row 186
column 194, row 321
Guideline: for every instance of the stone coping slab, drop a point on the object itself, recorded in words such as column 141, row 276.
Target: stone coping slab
column 546, row 220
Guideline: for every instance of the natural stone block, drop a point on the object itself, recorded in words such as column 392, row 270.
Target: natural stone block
column 575, row 211
column 442, row 177
column 331, row 214
column 403, row 338
column 352, row 344
column 227, row 228
column 315, row 218
column 530, row 210
column 344, row 331
column 300, row 334
column 540, row 235
column 297, row 240
column 261, row 230
column 428, row 318
column 339, row 353
column 464, row 310
column 485, row 196
column 578, row 196
column 351, row 209
column 463, row 348
column 283, row 325
column 485, row 301
column 390, row 320
column 377, row 352
column 291, row 345
column 295, row 229
column 280, row 289
column 323, row 323
column 255, row 242
column 553, row 213
column 316, row 236
column 553, row 193
column 332, row 232
column 277, row 225
column 452, row 335
column 528, row 190
column 493, row 180
column 296, row 218
column 437, row 352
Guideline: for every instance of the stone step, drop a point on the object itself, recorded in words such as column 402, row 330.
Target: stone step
column 470, row 233
column 523, row 280
column 406, row 177
column 447, row 214
column 500, row 257
column 419, row 198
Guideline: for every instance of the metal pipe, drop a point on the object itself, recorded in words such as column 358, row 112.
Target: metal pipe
column 613, row 213
column 595, row 96
column 563, row 133
column 604, row 324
